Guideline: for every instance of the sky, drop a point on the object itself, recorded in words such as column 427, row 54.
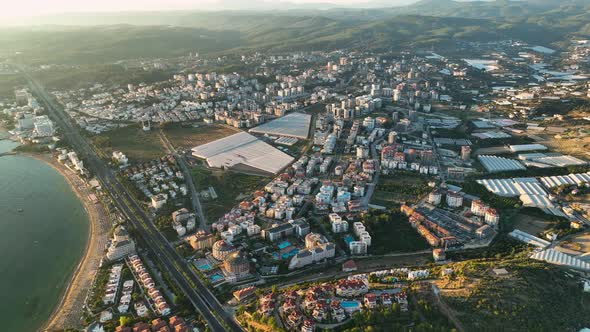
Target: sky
column 28, row 8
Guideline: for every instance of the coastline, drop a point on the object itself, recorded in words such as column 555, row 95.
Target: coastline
column 68, row 311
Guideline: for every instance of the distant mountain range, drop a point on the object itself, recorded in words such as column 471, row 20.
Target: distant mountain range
column 427, row 23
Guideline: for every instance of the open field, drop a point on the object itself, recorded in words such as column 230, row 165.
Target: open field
column 579, row 147
column 230, row 187
column 532, row 297
column 531, row 224
column 187, row 137
column 580, row 243
column 136, row 144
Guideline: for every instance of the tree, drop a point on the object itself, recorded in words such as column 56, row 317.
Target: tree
column 124, row 320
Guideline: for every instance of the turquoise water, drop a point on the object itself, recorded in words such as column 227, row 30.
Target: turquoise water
column 349, row 304
column 204, row 267
column 290, row 253
column 284, row 245
column 215, row 277
column 40, row 245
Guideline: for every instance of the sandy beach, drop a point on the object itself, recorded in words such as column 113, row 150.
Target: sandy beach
column 70, row 308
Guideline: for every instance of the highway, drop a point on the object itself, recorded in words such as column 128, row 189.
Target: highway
column 199, row 295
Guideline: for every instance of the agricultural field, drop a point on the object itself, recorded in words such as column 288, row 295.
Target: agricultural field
column 187, row 137
column 138, row 145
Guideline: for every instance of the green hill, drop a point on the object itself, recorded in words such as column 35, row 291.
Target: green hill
column 427, row 23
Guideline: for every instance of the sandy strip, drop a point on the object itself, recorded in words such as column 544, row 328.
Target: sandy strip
column 68, row 312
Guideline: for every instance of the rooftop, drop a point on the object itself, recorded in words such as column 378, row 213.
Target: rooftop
column 291, row 125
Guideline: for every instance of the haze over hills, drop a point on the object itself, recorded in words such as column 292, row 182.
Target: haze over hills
column 425, row 24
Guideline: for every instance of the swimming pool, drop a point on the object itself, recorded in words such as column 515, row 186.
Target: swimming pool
column 204, row 267
column 284, row 245
column 216, row 277
column 350, row 305
column 290, row 253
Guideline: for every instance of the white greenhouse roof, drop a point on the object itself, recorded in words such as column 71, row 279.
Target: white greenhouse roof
column 291, row 125
column 529, row 239
column 558, row 180
column 499, row 164
column 243, row 149
column 553, row 256
column 527, row 147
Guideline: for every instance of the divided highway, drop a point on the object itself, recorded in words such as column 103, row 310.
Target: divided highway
column 199, row 295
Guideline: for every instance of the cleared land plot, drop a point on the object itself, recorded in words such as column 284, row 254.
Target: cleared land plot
column 136, row 144
column 230, row 188
column 530, row 224
column 187, row 137
column 579, row 147
column 580, row 243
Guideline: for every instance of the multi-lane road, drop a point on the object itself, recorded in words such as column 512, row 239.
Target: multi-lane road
column 188, row 282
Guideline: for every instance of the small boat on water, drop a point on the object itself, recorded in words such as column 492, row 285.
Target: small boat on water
column 20, row 210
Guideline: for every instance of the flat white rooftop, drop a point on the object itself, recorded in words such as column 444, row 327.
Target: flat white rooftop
column 291, row 125
column 243, row 150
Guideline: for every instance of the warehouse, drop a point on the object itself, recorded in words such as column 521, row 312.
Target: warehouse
column 291, row 125
column 245, row 152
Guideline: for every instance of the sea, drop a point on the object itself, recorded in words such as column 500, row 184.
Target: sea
column 43, row 234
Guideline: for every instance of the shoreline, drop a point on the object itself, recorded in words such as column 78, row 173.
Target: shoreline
column 70, row 307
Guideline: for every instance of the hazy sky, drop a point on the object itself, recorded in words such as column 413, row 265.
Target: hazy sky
column 20, row 8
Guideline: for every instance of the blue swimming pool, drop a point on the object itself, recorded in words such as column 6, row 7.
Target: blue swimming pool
column 204, row 267
column 290, row 253
column 350, row 304
column 215, row 277
column 284, row 245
